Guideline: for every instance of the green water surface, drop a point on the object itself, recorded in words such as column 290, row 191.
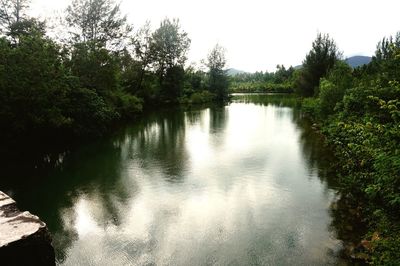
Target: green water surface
column 242, row 184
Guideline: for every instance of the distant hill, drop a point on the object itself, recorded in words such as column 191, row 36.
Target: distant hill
column 234, row 72
column 353, row 61
column 358, row 60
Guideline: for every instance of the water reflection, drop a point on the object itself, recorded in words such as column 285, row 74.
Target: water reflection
column 243, row 184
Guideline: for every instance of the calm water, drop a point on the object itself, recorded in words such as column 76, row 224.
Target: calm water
column 244, row 184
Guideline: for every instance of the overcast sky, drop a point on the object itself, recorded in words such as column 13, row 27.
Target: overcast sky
column 259, row 34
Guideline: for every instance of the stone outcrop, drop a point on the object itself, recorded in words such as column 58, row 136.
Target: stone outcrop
column 24, row 238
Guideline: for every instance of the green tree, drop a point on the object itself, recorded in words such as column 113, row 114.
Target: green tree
column 97, row 69
column 98, row 22
column 142, row 44
column 333, row 88
column 282, row 74
column 195, row 79
column 33, row 87
column 217, row 77
column 173, row 84
column 12, row 12
column 321, row 58
column 169, row 47
column 14, row 21
column 385, row 63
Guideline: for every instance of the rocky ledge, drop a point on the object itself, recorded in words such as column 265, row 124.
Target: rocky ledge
column 24, row 238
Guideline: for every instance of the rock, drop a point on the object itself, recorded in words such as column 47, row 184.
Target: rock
column 24, row 238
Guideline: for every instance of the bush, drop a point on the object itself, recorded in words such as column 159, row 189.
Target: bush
column 127, row 105
column 33, row 87
column 311, row 106
column 202, row 97
column 89, row 113
column 199, row 98
column 333, row 88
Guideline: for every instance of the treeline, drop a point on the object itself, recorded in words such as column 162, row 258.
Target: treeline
column 280, row 81
column 359, row 113
column 101, row 72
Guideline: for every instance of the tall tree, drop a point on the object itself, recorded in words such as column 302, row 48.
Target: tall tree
column 385, row 48
column 321, row 58
column 97, row 21
column 141, row 43
column 14, row 21
column 217, row 77
column 12, row 11
column 282, row 74
column 169, row 46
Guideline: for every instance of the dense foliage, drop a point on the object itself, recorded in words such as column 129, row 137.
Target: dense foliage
column 360, row 114
column 280, row 81
column 103, row 72
column 321, row 58
column 217, row 77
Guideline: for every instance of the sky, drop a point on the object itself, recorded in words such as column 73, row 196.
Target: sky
column 259, row 34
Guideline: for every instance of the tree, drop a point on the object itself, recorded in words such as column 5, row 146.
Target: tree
column 385, row 48
column 33, row 86
column 141, row 43
column 333, row 88
column 98, row 22
column 11, row 12
column 321, row 58
column 386, row 63
column 169, row 46
column 14, row 22
column 195, row 78
column 173, row 84
column 217, row 77
column 97, row 69
column 168, row 52
column 282, row 74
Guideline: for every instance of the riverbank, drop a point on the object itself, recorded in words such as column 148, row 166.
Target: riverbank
column 46, row 151
column 261, row 87
column 367, row 159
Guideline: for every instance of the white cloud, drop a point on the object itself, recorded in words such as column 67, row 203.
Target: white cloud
column 259, row 34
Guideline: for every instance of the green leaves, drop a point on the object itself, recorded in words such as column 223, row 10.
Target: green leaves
column 321, row 58
column 217, row 78
column 97, row 21
column 360, row 114
column 33, row 90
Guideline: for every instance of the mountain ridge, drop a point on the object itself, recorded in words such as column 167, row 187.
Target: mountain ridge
column 358, row 60
column 353, row 61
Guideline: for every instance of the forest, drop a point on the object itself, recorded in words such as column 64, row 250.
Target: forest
column 100, row 73
column 104, row 72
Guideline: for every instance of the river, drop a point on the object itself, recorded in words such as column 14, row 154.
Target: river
column 242, row 184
